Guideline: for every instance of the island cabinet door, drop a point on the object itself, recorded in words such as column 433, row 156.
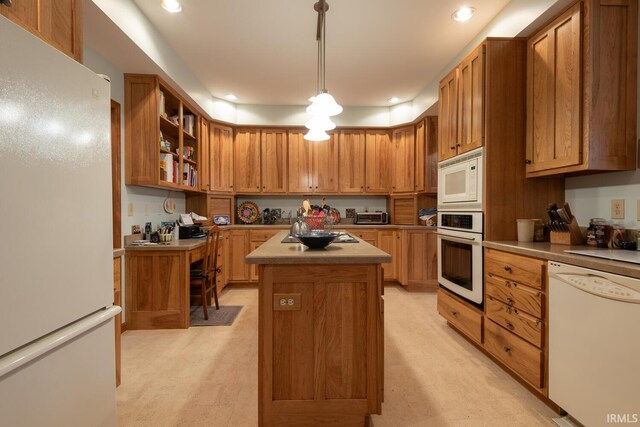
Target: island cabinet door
column 319, row 344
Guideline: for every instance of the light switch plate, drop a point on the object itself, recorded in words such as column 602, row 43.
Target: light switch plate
column 617, row 209
column 130, row 209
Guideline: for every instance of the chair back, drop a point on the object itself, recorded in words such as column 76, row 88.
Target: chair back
column 210, row 261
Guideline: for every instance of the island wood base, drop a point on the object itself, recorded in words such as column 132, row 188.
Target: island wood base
column 321, row 344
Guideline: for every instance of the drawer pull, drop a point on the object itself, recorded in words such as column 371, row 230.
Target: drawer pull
column 509, row 325
column 508, row 283
column 506, row 349
column 509, row 300
column 455, row 313
column 509, row 310
column 507, row 269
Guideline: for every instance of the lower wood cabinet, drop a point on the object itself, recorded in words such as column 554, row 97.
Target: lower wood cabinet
column 239, row 246
column 389, row 241
column 462, row 316
column 258, row 237
column 420, row 263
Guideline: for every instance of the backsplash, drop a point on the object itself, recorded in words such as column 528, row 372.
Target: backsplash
column 342, row 203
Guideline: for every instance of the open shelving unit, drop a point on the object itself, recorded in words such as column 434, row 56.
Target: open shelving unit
column 162, row 138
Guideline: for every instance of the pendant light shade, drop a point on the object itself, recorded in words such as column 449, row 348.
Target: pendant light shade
column 316, row 135
column 320, row 123
column 323, row 105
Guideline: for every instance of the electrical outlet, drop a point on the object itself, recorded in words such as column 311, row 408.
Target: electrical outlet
column 130, row 209
column 617, row 209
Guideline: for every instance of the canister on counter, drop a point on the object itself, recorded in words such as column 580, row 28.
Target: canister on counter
column 601, row 230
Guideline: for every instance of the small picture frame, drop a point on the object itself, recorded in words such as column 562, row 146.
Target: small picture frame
column 221, row 219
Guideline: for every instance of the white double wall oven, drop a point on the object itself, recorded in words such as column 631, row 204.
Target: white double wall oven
column 461, row 225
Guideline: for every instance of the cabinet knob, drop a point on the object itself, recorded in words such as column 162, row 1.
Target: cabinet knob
column 509, row 300
column 457, row 145
column 509, row 325
column 507, row 269
column 527, row 162
column 453, row 147
column 455, row 313
column 506, row 348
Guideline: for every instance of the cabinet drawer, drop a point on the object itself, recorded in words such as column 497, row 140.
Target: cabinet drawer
column 521, row 324
column 262, row 235
column 529, row 271
column 519, row 296
column 522, row 357
column 462, row 317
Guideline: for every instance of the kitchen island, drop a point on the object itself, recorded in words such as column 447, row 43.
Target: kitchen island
column 320, row 333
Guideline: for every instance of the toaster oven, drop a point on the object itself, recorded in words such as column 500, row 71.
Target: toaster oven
column 371, row 218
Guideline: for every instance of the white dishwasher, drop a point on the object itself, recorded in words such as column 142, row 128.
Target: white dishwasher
column 594, row 345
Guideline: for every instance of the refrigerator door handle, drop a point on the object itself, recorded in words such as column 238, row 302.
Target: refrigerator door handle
column 20, row 357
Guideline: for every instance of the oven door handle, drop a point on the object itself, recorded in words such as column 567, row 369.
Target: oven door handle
column 457, row 239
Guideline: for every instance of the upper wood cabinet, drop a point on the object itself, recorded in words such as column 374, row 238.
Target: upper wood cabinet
column 581, row 90
column 426, row 180
column 58, row 22
column 352, row 148
column 448, row 115
column 378, row 161
column 313, row 165
column 273, row 161
column 220, row 158
column 162, row 132
column 246, row 149
column 403, row 160
column 462, row 106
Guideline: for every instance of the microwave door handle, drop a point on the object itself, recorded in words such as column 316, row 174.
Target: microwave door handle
column 455, row 238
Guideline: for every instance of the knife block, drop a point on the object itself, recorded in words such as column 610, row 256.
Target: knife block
column 571, row 237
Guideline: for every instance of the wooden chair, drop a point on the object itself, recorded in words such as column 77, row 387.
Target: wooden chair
column 205, row 278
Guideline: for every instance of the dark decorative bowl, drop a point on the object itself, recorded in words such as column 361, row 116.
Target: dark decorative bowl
column 316, row 239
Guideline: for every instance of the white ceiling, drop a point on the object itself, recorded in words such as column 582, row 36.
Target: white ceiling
column 264, row 51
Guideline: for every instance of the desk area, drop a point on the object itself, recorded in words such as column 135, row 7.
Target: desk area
column 157, row 284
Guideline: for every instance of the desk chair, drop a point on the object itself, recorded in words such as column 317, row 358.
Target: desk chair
column 205, row 278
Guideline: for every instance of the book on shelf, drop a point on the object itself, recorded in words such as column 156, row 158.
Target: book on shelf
column 188, row 152
column 166, row 167
column 163, row 111
column 189, row 175
column 188, row 121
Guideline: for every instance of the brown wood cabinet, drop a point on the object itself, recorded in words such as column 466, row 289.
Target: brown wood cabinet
column 420, row 261
column 426, row 165
column 239, row 246
column 461, row 116
column 465, row 318
column 581, row 90
column 246, row 149
column 403, row 160
column 221, row 163
column 515, row 307
column 313, row 166
column 378, row 161
column 389, row 241
column 58, row 22
column 273, row 160
column 155, row 112
column 203, row 156
column 351, row 152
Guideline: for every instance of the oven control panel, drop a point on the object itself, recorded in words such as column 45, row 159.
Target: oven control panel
column 463, row 221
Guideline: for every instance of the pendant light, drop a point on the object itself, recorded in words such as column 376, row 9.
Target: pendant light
column 324, row 105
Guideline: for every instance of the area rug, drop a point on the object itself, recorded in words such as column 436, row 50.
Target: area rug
column 222, row 317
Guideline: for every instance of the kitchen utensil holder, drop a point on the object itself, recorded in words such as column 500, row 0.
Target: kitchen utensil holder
column 571, row 237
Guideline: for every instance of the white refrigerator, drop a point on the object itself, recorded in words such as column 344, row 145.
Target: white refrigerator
column 57, row 363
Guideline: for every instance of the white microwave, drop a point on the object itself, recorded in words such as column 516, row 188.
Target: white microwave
column 461, row 182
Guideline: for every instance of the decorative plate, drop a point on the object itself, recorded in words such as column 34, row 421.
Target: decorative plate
column 221, row 220
column 248, row 212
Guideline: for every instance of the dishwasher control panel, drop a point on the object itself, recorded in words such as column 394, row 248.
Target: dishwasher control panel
column 601, row 286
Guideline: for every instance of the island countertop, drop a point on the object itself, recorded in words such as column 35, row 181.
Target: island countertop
column 275, row 252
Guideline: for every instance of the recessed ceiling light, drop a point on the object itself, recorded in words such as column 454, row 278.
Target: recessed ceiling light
column 172, row 6
column 463, row 14
column 393, row 100
column 231, row 97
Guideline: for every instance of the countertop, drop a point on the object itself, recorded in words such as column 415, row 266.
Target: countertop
column 174, row 245
column 339, row 226
column 117, row 253
column 275, row 252
column 550, row 252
